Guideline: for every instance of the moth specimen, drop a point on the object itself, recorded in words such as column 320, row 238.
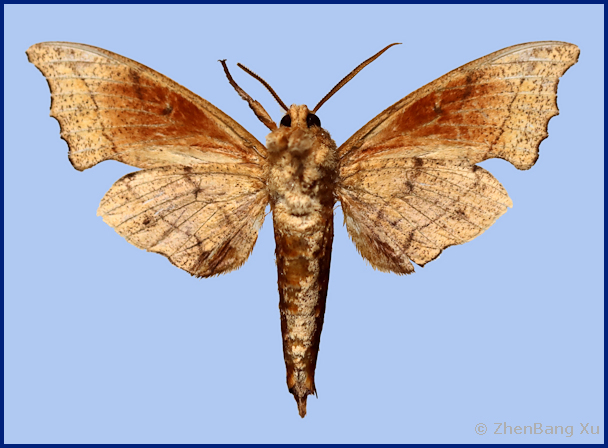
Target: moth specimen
column 407, row 180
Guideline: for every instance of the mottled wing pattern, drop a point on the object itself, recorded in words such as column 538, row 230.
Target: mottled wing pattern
column 408, row 184
column 411, row 209
column 110, row 107
column 200, row 198
column 204, row 219
column 496, row 106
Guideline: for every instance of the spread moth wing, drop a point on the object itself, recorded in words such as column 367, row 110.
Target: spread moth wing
column 200, row 197
column 110, row 107
column 409, row 186
column 496, row 106
column 204, row 219
column 411, row 209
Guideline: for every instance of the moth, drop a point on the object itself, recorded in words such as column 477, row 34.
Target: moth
column 407, row 181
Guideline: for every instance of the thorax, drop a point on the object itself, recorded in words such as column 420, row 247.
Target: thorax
column 302, row 162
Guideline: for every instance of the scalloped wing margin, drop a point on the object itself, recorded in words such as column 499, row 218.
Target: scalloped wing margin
column 496, row 106
column 110, row 107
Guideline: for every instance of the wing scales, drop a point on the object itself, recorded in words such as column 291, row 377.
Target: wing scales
column 204, row 219
column 496, row 106
column 110, row 107
column 401, row 210
column 408, row 184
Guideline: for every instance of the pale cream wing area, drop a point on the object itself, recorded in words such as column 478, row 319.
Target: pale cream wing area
column 496, row 106
column 110, row 107
column 411, row 209
column 204, row 219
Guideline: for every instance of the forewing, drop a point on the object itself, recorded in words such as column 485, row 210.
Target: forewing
column 411, row 209
column 496, row 106
column 204, row 219
column 110, row 107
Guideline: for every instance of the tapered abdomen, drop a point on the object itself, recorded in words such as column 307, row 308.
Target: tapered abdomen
column 303, row 258
column 302, row 164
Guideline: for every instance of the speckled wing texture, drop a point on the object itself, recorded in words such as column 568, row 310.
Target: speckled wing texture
column 204, row 219
column 200, row 197
column 409, row 186
column 110, row 107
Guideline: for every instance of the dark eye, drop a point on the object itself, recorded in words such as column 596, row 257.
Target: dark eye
column 286, row 121
column 313, row 120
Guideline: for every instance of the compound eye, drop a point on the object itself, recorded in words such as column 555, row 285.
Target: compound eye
column 286, row 121
column 313, row 120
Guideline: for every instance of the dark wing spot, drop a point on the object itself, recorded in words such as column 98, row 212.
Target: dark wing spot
column 137, row 83
column 409, row 187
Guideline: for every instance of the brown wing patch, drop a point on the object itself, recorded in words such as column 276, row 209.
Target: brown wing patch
column 411, row 209
column 205, row 219
column 110, row 107
column 496, row 106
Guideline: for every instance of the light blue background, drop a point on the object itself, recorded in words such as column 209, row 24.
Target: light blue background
column 107, row 343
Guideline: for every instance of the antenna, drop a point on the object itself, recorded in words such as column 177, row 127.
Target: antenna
column 265, row 84
column 350, row 76
column 256, row 107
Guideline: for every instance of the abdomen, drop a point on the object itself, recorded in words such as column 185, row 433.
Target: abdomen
column 303, row 250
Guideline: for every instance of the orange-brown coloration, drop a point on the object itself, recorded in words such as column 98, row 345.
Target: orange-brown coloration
column 496, row 106
column 110, row 107
column 407, row 180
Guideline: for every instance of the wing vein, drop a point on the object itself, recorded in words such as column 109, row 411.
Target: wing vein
column 103, row 128
column 134, row 98
column 97, row 78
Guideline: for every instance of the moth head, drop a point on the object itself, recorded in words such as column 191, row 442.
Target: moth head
column 299, row 133
column 300, row 117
